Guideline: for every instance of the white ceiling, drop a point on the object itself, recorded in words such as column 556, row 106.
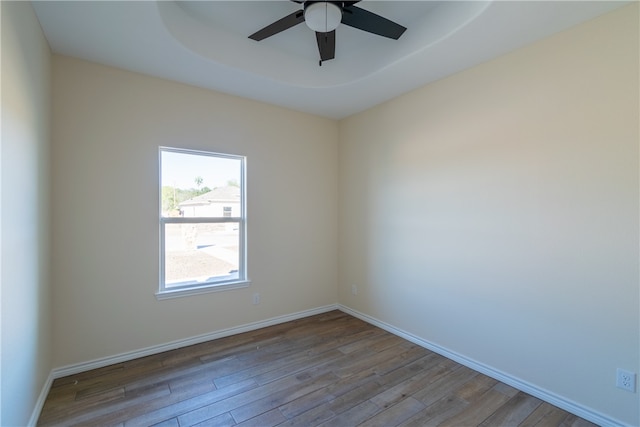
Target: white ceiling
column 204, row 43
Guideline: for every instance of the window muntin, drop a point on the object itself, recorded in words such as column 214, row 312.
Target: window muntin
column 202, row 221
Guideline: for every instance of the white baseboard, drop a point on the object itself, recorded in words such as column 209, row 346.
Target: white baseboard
column 124, row 357
column 40, row 402
column 550, row 397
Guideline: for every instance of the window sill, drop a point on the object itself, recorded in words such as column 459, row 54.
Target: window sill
column 178, row 293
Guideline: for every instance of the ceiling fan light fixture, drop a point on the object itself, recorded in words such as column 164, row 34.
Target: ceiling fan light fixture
column 322, row 16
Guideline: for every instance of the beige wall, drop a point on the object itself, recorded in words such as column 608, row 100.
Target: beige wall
column 25, row 356
column 495, row 213
column 107, row 126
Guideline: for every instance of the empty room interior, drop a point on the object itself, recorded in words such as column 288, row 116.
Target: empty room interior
column 469, row 187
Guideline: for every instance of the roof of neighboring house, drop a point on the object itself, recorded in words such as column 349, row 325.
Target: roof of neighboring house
column 229, row 193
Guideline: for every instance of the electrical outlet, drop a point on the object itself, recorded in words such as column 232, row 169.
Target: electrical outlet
column 256, row 299
column 354, row 289
column 626, row 380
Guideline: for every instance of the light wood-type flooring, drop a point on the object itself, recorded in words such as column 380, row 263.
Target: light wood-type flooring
column 330, row 370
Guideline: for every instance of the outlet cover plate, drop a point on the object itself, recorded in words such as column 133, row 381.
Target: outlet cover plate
column 626, row 380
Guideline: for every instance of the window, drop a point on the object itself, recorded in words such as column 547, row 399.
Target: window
column 202, row 222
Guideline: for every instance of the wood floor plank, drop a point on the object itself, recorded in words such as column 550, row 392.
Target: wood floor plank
column 312, row 417
column 354, row 416
column 363, row 363
column 55, row 413
column 268, row 419
column 436, row 413
column 396, row 414
column 413, row 353
column 173, row 422
column 506, row 389
column 545, row 415
column 86, row 386
column 75, row 378
column 301, row 365
column 286, row 364
column 205, row 412
column 514, row 412
column 330, row 369
column 354, row 397
column 281, row 397
column 222, row 420
column 327, row 394
column 446, row 383
column 176, row 404
column 378, row 339
column 251, row 371
column 475, row 387
column 427, row 362
column 193, row 388
column 454, row 402
column 575, row 421
column 478, row 410
column 409, row 386
column 80, row 417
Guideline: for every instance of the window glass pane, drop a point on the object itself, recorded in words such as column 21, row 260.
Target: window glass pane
column 202, row 221
column 200, row 185
column 201, row 253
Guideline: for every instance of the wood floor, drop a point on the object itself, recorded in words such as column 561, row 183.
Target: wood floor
column 331, row 370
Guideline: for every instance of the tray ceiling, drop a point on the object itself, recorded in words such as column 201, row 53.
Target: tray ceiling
column 204, row 43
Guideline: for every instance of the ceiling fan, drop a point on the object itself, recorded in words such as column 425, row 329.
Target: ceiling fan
column 323, row 17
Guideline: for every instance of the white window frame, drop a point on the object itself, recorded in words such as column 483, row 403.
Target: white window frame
column 242, row 280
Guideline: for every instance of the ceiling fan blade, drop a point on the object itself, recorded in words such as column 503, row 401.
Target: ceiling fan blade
column 326, row 45
column 361, row 19
column 280, row 25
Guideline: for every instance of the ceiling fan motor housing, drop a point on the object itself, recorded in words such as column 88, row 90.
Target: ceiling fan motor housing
column 322, row 16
